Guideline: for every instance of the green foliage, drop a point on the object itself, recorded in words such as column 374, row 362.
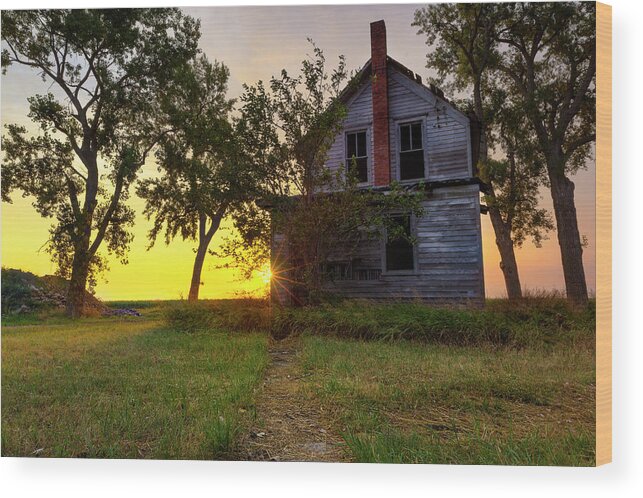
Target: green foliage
column 285, row 131
column 517, row 178
column 466, row 52
column 553, row 82
column 221, row 435
column 200, row 177
column 417, row 321
column 16, row 289
column 540, row 321
column 462, row 38
column 108, row 69
column 233, row 315
column 29, row 298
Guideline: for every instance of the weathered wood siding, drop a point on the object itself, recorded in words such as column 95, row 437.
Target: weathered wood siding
column 280, row 288
column 445, row 130
column 448, row 254
column 446, row 135
column 359, row 117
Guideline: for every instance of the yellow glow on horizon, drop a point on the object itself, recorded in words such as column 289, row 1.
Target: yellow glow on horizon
column 164, row 272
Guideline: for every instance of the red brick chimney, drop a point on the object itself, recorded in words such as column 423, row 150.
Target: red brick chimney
column 379, row 86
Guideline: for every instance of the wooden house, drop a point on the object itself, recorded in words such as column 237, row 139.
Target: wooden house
column 399, row 129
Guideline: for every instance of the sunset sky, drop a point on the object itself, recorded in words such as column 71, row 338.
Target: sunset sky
column 256, row 43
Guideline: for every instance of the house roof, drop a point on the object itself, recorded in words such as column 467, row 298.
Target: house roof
column 365, row 73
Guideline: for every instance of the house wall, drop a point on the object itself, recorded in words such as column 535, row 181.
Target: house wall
column 448, row 254
column 446, row 131
column 359, row 117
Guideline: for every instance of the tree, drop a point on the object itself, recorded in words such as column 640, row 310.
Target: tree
column 286, row 132
column 464, row 52
column 549, row 68
column 202, row 177
column 108, row 69
column 517, row 178
column 543, row 59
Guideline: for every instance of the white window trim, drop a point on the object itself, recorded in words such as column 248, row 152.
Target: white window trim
column 398, row 148
column 356, row 129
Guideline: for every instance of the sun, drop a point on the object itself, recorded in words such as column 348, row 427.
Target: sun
column 266, row 274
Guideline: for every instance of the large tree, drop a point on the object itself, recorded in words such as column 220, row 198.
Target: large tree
column 202, row 174
column 106, row 69
column 516, row 175
column 549, row 68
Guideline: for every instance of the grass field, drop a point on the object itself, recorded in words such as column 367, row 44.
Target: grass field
column 399, row 383
column 126, row 388
column 411, row 403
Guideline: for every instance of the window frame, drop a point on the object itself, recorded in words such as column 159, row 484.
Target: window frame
column 421, row 120
column 352, row 131
column 384, row 242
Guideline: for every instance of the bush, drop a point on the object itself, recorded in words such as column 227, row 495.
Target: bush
column 16, row 289
column 417, row 321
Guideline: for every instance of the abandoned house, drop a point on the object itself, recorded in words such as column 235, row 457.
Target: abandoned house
column 398, row 129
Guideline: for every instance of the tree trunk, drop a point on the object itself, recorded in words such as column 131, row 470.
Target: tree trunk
column 571, row 249
column 205, row 236
column 195, row 285
column 504, row 242
column 505, row 245
column 75, row 306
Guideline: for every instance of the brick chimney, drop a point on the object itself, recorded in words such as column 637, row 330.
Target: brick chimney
column 379, row 92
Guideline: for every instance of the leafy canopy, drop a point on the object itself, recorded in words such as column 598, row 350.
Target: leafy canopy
column 106, row 69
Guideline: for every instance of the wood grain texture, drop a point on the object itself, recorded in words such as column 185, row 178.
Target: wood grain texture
column 603, row 234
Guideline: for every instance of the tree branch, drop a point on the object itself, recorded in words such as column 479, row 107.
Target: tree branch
column 576, row 144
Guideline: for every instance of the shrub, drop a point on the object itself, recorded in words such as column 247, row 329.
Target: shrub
column 189, row 317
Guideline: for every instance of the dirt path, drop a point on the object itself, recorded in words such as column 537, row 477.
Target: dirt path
column 289, row 426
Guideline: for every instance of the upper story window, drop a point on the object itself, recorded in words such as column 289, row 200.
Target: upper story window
column 357, row 155
column 411, row 151
column 400, row 254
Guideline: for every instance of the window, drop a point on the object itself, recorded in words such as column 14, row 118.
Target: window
column 346, row 271
column 399, row 251
column 411, row 151
column 356, row 155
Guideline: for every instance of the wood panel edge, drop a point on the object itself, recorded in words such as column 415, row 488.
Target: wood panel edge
column 603, row 234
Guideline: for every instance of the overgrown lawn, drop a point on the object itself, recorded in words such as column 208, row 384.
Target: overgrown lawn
column 425, row 403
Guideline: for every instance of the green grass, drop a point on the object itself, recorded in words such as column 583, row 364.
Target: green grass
column 534, row 322
column 417, row 403
column 126, row 388
column 511, row 384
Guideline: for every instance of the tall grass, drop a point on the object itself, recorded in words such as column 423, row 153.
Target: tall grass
column 535, row 321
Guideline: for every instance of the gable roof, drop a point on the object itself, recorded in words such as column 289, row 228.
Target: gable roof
column 365, row 72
